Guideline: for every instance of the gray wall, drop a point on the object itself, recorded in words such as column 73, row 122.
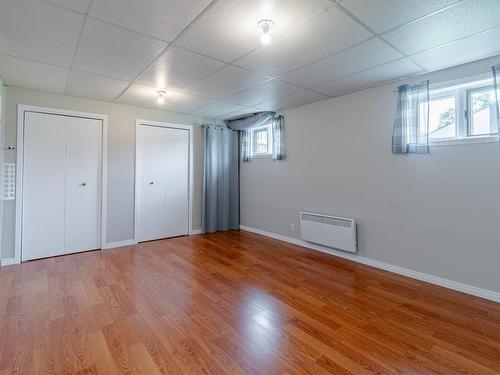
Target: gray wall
column 121, row 157
column 438, row 214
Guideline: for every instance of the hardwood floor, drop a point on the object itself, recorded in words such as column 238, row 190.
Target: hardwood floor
column 235, row 303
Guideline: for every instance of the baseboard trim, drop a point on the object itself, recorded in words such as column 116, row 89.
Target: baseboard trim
column 112, row 245
column 450, row 284
column 8, row 262
column 195, row 231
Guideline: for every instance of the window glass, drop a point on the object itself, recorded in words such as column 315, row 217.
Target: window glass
column 261, row 141
column 442, row 118
column 482, row 112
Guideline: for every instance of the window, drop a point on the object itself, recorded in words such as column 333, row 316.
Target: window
column 464, row 112
column 482, row 120
column 261, row 141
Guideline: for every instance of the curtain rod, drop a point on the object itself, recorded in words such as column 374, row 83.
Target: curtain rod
column 445, row 83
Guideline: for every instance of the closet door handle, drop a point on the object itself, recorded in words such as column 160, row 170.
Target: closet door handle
column 151, row 183
column 83, row 184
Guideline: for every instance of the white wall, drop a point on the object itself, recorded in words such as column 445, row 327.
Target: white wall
column 121, row 157
column 438, row 214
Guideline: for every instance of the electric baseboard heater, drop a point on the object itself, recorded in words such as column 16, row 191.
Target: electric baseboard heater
column 332, row 231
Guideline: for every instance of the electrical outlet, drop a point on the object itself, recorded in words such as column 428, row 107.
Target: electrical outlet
column 292, row 227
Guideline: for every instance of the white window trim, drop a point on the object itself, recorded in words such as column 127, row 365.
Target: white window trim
column 269, row 146
column 462, row 121
column 465, row 141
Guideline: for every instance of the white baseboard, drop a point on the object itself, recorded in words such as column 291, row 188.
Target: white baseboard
column 195, row 231
column 112, row 245
column 8, row 261
column 450, row 284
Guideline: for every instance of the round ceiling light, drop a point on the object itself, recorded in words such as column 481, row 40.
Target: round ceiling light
column 265, row 26
column 161, row 96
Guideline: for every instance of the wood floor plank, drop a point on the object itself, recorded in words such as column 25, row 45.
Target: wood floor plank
column 235, row 303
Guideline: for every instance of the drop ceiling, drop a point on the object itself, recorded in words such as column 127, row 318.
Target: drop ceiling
column 207, row 56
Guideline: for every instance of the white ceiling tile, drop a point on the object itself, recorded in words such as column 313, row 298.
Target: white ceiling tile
column 146, row 96
column 466, row 18
column 179, row 68
column 320, row 36
column 217, row 109
column 229, row 29
column 460, row 52
column 368, row 54
column 163, row 19
column 299, row 98
column 78, row 5
column 242, row 112
column 226, row 82
column 265, row 92
column 369, row 78
column 39, row 31
column 32, row 75
column 115, row 52
column 93, row 86
column 383, row 15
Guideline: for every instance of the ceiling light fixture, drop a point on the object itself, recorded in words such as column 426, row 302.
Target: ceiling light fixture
column 161, row 96
column 264, row 26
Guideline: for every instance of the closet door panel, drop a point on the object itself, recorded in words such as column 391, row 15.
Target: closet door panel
column 151, row 218
column 177, row 182
column 83, row 184
column 43, row 186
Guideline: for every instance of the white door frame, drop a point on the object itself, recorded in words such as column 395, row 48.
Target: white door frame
column 189, row 128
column 21, row 110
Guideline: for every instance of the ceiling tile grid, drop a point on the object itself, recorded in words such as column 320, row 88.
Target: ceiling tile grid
column 368, row 78
column 365, row 55
column 179, row 68
column 88, row 85
column 115, row 52
column 162, row 19
column 384, row 15
column 39, row 31
column 208, row 57
column 466, row 18
column 226, row 81
column 217, row 109
column 35, row 75
column 229, row 29
column 145, row 96
column 267, row 91
column 319, row 37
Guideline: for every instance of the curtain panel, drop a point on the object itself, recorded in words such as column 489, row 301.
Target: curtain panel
column 278, row 129
column 411, row 127
column 496, row 84
column 221, row 192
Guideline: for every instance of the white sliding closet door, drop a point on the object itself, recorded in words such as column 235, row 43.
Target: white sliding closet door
column 61, row 210
column 44, row 180
column 162, row 182
column 177, row 182
column 83, row 184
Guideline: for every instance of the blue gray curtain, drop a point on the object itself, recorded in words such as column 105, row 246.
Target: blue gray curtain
column 221, row 192
column 496, row 84
column 411, row 127
column 246, row 123
column 245, row 145
column 250, row 121
column 278, row 138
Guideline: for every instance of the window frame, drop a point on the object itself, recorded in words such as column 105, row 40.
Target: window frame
column 470, row 113
column 253, row 145
column 463, row 111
